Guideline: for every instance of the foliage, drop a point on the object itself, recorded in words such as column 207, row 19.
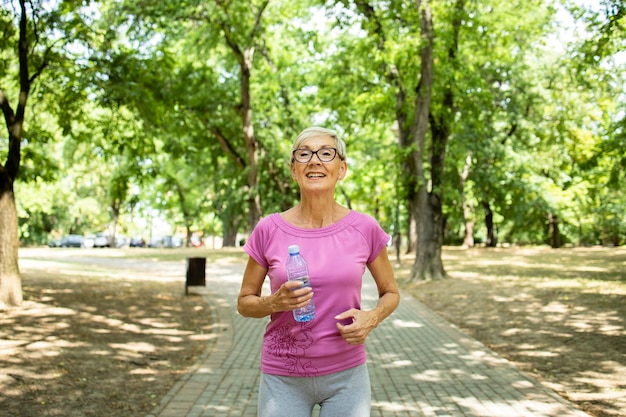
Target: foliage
column 138, row 115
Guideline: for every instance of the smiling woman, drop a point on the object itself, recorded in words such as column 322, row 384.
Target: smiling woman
column 315, row 164
column 338, row 243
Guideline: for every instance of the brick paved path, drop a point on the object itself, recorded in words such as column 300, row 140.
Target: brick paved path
column 419, row 364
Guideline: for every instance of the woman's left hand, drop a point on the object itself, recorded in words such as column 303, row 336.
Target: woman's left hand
column 363, row 322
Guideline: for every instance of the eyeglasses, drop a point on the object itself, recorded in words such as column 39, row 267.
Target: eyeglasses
column 305, row 155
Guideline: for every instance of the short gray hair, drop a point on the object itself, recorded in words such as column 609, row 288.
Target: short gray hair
column 314, row 131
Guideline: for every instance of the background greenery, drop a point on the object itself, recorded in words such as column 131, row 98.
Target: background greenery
column 142, row 110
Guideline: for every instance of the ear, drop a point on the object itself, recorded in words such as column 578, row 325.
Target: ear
column 343, row 170
column 293, row 171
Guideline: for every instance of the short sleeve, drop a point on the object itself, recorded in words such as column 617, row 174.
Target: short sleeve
column 256, row 243
column 376, row 237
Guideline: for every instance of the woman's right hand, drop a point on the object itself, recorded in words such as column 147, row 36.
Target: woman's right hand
column 291, row 295
column 250, row 303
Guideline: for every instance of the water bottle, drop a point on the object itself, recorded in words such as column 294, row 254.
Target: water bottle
column 297, row 270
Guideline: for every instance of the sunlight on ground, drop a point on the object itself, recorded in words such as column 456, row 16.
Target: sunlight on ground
column 96, row 323
column 393, row 406
column 406, row 324
column 559, row 314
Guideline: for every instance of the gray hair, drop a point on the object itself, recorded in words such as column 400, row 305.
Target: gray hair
column 312, row 132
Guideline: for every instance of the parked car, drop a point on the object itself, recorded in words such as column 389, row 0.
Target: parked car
column 156, row 242
column 89, row 241
column 68, row 241
column 166, row 242
column 56, row 243
column 121, row 241
column 197, row 241
column 172, row 242
column 102, row 241
column 137, row 242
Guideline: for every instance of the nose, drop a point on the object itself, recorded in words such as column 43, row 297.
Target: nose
column 319, row 161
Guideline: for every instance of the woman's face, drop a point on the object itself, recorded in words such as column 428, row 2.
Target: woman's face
column 316, row 175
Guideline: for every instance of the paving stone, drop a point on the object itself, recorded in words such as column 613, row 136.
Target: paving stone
column 420, row 366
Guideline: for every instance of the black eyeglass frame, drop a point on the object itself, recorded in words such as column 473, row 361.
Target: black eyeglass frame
column 293, row 155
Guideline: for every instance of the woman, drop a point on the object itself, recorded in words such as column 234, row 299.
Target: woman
column 321, row 361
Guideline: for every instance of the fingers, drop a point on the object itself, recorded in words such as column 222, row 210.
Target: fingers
column 347, row 314
column 294, row 289
column 292, row 295
column 291, row 285
column 356, row 332
column 352, row 334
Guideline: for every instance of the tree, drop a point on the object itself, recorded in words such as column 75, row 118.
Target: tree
column 498, row 86
column 10, row 282
column 452, row 115
column 222, row 74
column 597, row 57
column 423, row 189
column 241, row 34
column 40, row 35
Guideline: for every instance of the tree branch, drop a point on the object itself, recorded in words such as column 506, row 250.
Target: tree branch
column 228, row 148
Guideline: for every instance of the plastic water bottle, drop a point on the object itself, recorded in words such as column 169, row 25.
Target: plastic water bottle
column 297, row 270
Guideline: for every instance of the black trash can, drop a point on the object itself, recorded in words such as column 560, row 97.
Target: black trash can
column 196, row 273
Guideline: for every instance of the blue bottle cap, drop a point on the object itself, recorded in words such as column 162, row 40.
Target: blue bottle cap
column 293, row 249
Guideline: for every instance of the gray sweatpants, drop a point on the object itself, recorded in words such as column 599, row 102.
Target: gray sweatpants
column 342, row 394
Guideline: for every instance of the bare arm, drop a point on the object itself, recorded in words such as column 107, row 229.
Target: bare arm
column 250, row 303
column 363, row 322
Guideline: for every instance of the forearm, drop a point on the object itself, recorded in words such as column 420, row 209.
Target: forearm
column 387, row 303
column 256, row 306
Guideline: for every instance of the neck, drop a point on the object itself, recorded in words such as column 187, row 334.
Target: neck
column 318, row 212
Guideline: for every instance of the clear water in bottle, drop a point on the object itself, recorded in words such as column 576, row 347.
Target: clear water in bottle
column 297, row 270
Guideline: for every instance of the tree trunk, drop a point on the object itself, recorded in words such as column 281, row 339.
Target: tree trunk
column 428, row 264
column 115, row 210
column 229, row 236
column 244, row 56
column 10, row 281
column 402, row 128
column 555, row 233
column 254, row 199
column 491, row 241
column 188, row 236
column 412, row 226
column 468, row 237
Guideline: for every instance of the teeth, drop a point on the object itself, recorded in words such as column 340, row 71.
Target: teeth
column 315, row 175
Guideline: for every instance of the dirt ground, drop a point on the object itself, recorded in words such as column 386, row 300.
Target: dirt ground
column 559, row 315
column 99, row 338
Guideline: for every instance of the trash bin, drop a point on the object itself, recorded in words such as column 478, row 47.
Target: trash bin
column 196, row 273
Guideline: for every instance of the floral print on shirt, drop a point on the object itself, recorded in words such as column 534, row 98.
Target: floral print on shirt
column 290, row 343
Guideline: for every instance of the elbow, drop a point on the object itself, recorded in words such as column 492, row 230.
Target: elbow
column 254, row 306
column 245, row 309
column 241, row 309
column 394, row 297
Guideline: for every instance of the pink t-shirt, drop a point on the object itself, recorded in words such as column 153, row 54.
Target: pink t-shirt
column 337, row 256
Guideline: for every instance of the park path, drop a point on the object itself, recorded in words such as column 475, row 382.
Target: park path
column 420, row 365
